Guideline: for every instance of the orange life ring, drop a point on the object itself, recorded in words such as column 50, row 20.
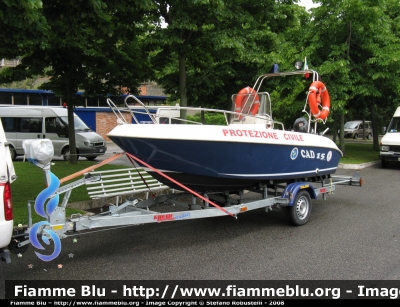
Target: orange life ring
column 243, row 97
column 318, row 91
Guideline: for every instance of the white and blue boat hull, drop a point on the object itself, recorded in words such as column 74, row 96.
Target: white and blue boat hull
column 225, row 158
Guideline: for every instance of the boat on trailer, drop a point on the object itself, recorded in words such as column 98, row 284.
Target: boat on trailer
column 211, row 166
column 251, row 150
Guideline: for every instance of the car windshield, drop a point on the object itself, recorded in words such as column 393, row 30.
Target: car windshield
column 78, row 123
column 350, row 125
column 394, row 124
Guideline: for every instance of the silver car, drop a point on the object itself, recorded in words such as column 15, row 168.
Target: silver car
column 355, row 129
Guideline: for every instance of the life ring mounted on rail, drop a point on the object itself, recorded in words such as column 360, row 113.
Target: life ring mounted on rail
column 318, row 92
column 245, row 96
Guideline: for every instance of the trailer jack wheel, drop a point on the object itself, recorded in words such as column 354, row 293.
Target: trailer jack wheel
column 15, row 249
column 300, row 212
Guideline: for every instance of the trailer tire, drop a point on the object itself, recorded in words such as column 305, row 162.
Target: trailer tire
column 13, row 247
column 300, row 212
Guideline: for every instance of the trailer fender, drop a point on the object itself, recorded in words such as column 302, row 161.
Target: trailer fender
column 292, row 189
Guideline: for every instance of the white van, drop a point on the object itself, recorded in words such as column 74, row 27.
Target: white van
column 7, row 176
column 390, row 142
column 31, row 122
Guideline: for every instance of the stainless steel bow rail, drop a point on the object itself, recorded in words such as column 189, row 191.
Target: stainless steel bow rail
column 293, row 198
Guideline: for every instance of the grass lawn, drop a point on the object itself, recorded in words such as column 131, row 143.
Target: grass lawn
column 357, row 153
column 31, row 180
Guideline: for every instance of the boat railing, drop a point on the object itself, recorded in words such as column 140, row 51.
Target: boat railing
column 118, row 111
column 231, row 117
column 260, row 79
column 312, row 123
column 171, row 115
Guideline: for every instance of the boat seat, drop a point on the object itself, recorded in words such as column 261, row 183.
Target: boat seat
column 301, row 125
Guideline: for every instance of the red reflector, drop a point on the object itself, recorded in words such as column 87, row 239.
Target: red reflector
column 324, row 190
column 7, row 202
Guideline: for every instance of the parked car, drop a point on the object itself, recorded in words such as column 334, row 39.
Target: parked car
column 7, row 176
column 390, row 142
column 355, row 129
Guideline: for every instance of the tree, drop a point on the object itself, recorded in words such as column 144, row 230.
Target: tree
column 213, row 48
column 20, row 20
column 355, row 47
column 91, row 45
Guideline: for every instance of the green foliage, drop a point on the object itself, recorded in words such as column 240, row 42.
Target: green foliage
column 212, row 49
column 354, row 46
column 90, row 45
column 209, row 118
column 20, row 21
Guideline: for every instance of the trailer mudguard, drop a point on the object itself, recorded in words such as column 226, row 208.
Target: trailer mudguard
column 292, row 189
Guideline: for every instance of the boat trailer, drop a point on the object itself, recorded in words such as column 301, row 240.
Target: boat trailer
column 294, row 198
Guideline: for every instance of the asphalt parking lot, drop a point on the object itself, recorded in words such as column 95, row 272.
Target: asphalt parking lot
column 352, row 235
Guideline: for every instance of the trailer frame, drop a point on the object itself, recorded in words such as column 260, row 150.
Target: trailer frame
column 295, row 198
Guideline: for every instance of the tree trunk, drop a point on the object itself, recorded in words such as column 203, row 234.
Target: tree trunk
column 71, row 130
column 363, row 125
column 335, row 129
column 375, row 132
column 341, row 137
column 182, row 84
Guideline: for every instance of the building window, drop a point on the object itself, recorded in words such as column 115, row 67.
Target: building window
column 20, row 99
column 54, row 101
column 92, row 101
column 6, row 98
column 35, row 100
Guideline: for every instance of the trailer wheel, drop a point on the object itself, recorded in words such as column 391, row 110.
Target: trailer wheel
column 13, row 247
column 300, row 212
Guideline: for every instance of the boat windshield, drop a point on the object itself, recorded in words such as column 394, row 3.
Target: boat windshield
column 350, row 125
column 252, row 104
column 394, row 125
column 78, row 123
